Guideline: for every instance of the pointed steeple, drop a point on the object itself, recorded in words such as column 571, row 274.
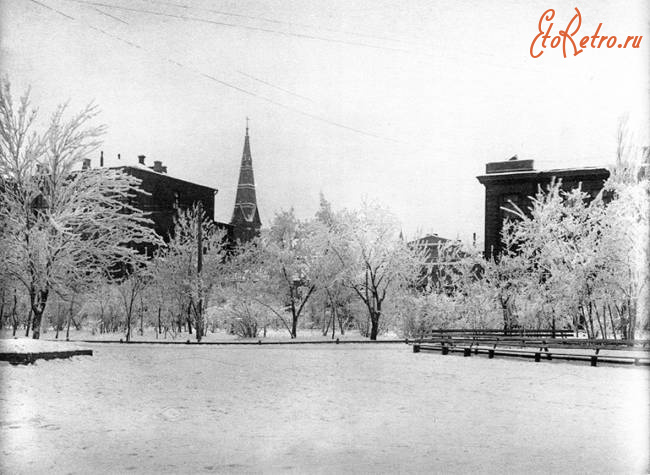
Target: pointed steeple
column 245, row 217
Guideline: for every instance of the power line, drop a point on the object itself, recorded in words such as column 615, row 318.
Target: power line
column 274, row 86
column 277, row 22
column 109, row 15
column 220, row 81
column 420, row 52
column 52, row 9
column 234, row 25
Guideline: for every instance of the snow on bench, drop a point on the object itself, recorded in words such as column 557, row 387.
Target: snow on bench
column 27, row 351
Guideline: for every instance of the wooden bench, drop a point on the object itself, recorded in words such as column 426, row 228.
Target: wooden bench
column 30, row 358
column 537, row 355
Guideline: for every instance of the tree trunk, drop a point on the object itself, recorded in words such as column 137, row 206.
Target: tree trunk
column 631, row 312
column 38, row 307
column 2, row 310
column 611, row 320
column 36, row 324
column 375, row 315
column 326, row 322
column 294, row 326
column 29, row 322
column 507, row 324
column 159, row 325
column 128, row 328
column 199, row 321
column 374, row 325
column 334, row 313
column 553, row 325
column 14, row 320
column 67, row 331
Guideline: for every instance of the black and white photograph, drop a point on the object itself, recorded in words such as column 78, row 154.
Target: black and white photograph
column 324, row 237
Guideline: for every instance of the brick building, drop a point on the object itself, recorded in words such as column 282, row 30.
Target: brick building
column 516, row 181
column 167, row 194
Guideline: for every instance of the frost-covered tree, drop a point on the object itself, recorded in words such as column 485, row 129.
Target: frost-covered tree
column 331, row 292
column 378, row 263
column 129, row 290
column 191, row 264
column 582, row 258
column 57, row 220
column 286, row 262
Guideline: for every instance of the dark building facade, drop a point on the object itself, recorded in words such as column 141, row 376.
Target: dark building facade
column 515, row 181
column 246, row 221
column 165, row 195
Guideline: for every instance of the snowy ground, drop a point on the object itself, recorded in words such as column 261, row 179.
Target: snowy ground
column 305, row 409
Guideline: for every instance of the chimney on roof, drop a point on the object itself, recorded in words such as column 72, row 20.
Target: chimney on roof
column 513, row 164
column 141, row 159
column 101, row 159
column 85, row 164
column 158, row 167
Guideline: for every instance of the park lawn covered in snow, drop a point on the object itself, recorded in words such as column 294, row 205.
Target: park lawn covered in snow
column 329, row 409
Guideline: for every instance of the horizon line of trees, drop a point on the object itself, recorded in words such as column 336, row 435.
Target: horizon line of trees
column 568, row 262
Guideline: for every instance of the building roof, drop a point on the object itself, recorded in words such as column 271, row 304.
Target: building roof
column 146, row 169
column 540, row 175
column 430, row 239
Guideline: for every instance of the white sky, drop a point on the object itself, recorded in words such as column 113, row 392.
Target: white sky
column 433, row 89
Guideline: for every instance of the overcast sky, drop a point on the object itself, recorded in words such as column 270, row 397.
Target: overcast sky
column 400, row 102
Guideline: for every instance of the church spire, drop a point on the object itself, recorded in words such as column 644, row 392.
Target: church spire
column 246, row 218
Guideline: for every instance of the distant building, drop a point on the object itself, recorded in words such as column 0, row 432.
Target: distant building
column 431, row 243
column 434, row 272
column 245, row 220
column 515, row 181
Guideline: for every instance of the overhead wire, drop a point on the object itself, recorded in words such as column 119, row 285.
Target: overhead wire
column 277, row 22
column 421, row 51
column 220, row 81
column 234, row 25
column 287, row 91
column 109, row 15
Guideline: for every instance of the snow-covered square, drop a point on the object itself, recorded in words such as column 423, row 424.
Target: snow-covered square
column 318, row 409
